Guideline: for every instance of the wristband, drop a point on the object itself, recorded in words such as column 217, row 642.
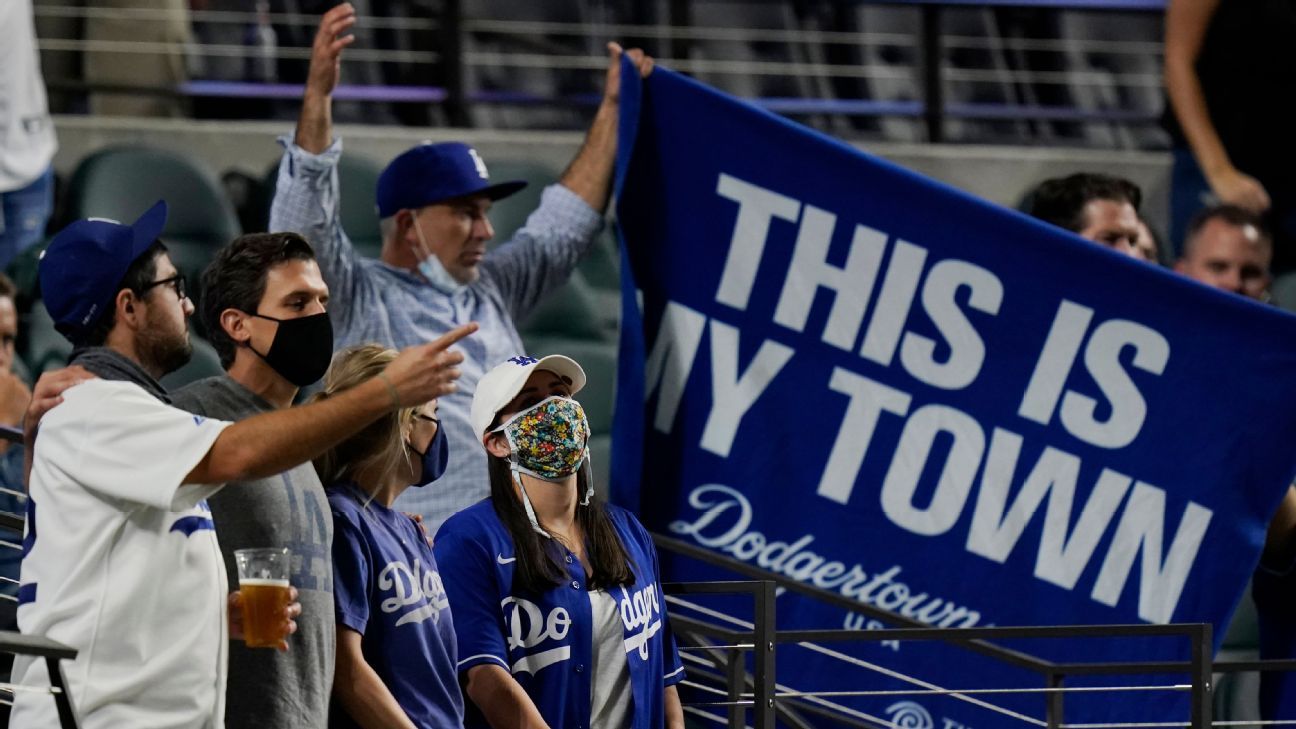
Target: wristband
column 391, row 390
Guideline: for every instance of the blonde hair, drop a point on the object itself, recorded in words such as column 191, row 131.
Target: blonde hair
column 380, row 442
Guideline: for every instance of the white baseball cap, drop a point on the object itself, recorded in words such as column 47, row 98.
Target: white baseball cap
column 503, row 383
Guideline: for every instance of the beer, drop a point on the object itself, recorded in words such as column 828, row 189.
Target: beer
column 264, row 602
column 263, row 580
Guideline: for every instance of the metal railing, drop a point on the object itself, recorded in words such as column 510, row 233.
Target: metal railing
column 742, row 691
column 819, row 72
column 54, row 653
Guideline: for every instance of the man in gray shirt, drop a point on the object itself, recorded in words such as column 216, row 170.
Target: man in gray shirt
column 263, row 307
column 434, row 272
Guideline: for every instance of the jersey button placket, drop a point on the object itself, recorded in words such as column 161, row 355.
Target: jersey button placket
column 575, row 584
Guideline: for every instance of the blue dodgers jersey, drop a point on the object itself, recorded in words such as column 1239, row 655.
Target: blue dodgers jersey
column 545, row 641
column 387, row 588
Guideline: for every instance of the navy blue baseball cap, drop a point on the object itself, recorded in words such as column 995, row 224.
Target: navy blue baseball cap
column 85, row 262
column 432, row 173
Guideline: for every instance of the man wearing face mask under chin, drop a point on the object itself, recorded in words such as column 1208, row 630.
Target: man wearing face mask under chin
column 434, row 271
column 263, row 308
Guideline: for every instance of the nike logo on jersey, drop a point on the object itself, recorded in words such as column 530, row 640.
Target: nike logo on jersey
column 500, row 558
column 190, row 524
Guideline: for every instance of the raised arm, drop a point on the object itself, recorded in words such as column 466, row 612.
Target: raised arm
column 1185, row 29
column 315, row 125
column 590, row 173
column 269, row 443
column 307, row 194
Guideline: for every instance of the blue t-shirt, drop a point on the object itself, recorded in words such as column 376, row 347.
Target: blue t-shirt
column 546, row 641
column 387, row 588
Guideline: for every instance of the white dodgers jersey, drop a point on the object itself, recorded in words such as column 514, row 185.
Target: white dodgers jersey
column 120, row 562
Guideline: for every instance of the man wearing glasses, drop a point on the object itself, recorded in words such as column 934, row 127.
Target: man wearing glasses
column 264, row 312
column 120, row 555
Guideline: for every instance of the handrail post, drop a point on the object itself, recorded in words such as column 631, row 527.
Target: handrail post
column 452, row 70
column 763, row 653
column 1201, row 676
column 1053, row 707
column 62, row 698
column 933, row 89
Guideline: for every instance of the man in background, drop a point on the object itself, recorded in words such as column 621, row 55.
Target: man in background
column 434, row 272
column 1228, row 247
column 1097, row 207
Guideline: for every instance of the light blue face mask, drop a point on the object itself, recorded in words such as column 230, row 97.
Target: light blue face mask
column 431, row 268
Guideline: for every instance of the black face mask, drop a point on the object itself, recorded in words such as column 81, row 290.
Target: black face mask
column 302, row 348
column 434, row 459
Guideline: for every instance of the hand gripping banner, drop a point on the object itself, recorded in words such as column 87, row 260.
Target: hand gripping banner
column 848, row 374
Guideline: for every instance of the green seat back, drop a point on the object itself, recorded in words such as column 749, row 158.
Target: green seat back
column 507, row 216
column 45, row 348
column 358, row 179
column 599, row 360
column 357, row 210
column 572, row 311
column 122, row 182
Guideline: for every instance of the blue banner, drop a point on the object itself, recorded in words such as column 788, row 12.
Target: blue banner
column 856, row 377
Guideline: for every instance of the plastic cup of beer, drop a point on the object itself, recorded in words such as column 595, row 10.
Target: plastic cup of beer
column 263, row 580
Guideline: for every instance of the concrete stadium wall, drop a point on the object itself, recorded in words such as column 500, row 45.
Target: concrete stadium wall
column 999, row 174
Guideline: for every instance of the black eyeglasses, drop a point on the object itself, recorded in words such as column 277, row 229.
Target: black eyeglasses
column 429, row 418
column 176, row 282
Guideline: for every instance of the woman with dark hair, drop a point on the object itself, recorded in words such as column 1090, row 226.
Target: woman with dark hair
column 395, row 638
column 559, row 613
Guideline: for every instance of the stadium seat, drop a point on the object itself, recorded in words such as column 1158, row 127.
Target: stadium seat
column 599, row 360
column 1283, row 291
column 46, row 349
column 602, row 265
column 357, row 181
column 574, row 311
column 509, row 215
column 122, row 182
column 600, row 447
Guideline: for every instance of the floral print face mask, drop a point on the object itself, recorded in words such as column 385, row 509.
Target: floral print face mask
column 549, row 441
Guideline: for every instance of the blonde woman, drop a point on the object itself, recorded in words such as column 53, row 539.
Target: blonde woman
column 395, row 643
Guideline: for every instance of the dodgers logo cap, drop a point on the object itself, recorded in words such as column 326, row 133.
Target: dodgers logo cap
column 496, row 388
column 80, row 270
column 431, row 173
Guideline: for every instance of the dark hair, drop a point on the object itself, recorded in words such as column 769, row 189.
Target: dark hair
column 540, row 564
column 1235, row 216
column 7, row 289
column 236, row 279
column 1062, row 200
column 137, row 278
